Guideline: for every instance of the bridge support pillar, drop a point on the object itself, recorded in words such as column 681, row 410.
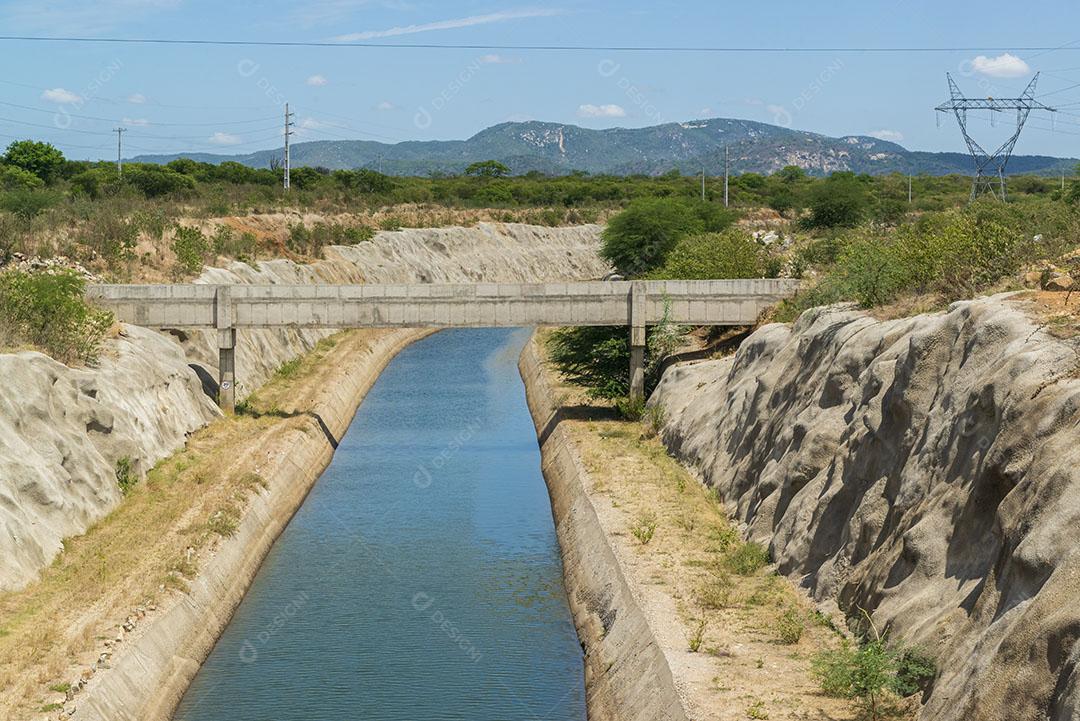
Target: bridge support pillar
column 637, row 341
column 227, row 369
column 223, row 321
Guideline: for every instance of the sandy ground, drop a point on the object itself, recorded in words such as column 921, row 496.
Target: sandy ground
column 107, row 583
column 683, row 578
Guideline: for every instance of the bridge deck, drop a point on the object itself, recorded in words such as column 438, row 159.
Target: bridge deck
column 636, row 304
column 706, row 302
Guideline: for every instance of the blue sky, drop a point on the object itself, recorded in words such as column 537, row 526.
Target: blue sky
column 228, row 99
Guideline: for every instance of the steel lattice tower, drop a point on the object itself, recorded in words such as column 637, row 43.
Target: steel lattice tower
column 990, row 167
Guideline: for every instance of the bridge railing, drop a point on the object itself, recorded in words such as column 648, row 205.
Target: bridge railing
column 636, row 304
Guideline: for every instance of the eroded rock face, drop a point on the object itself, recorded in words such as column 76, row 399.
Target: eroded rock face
column 63, row 430
column 925, row 469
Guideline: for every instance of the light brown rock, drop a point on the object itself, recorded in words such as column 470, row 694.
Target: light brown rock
column 925, row 469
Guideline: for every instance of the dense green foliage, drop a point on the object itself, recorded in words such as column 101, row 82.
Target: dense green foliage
column 951, row 254
column 48, row 311
column 638, row 240
column 874, row 674
column 40, row 159
column 840, row 200
column 731, row 254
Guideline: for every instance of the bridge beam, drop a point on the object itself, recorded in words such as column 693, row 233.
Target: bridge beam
column 226, row 341
column 638, row 299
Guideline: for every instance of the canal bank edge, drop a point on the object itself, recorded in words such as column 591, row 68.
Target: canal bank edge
column 627, row 677
column 148, row 677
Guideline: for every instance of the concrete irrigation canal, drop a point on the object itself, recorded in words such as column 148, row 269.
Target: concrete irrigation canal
column 421, row 578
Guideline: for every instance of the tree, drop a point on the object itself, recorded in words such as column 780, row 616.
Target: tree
column 27, row 204
column 488, row 169
column 839, row 201
column 638, row 239
column 41, row 159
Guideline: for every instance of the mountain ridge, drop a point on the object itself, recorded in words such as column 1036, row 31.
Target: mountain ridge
column 561, row 149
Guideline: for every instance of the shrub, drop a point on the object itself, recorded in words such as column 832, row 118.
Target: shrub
column 597, row 358
column 49, row 312
column 638, row 239
column 873, row 673
column 731, row 254
column 27, row 204
column 644, row 527
column 191, row 248
column 790, row 627
column 154, row 181
column 840, row 200
column 748, row 558
column 15, row 178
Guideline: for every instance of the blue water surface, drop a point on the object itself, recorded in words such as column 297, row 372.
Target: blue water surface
column 421, row 578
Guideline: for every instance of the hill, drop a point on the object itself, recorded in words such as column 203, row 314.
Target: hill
column 556, row 149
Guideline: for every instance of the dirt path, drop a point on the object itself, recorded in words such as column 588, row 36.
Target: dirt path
column 700, row 586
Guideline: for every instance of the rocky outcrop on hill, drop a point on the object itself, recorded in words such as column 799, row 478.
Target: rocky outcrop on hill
column 63, row 430
column 925, row 469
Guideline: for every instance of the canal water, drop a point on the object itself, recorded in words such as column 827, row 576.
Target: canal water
column 421, row 579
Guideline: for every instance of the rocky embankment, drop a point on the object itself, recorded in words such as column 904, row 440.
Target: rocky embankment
column 924, row 469
column 63, row 431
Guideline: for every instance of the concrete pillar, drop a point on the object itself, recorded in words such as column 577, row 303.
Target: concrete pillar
column 637, row 340
column 223, row 321
column 227, row 369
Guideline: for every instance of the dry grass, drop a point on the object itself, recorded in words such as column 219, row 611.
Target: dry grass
column 735, row 633
column 142, row 555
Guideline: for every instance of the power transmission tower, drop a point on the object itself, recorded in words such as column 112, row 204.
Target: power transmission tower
column 119, row 161
column 288, row 132
column 726, row 175
column 989, row 165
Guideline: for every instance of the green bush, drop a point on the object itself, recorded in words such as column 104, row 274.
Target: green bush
column 48, row 311
column 841, row 200
column 731, row 254
column 154, row 181
column 15, row 178
column 126, row 478
column 872, row 673
column 191, row 248
column 638, row 239
column 748, row 558
column 27, row 204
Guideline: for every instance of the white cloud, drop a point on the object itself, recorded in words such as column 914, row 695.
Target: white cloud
column 137, row 122
column 467, row 22
column 601, row 111
column 1005, row 65
column 317, row 80
column 385, row 106
column 224, row 139
column 495, row 59
column 59, row 95
column 893, row 136
column 137, row 98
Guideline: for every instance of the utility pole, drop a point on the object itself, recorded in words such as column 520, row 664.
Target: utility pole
column 702, row 183
column 726, row 176
column 288, row 132
column 119, row 162
column 909, row 189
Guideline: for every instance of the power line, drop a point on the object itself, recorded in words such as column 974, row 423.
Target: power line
column 555, row 48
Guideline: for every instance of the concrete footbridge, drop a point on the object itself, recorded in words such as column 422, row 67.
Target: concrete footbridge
column 635, row 304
